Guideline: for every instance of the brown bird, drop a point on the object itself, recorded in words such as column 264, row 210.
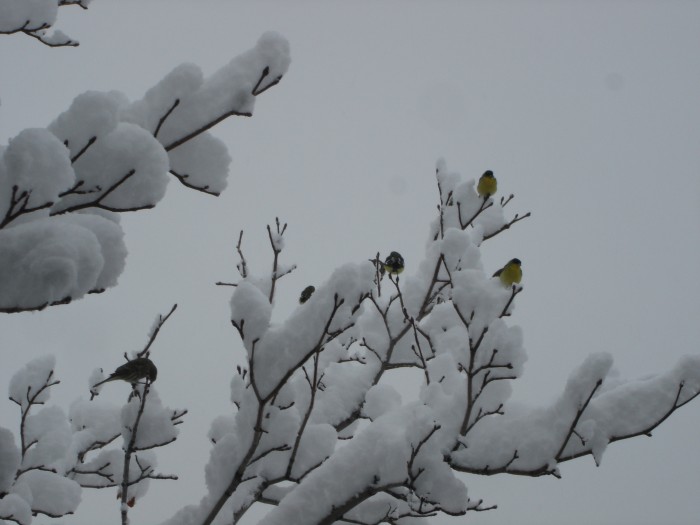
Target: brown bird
column 133, row 371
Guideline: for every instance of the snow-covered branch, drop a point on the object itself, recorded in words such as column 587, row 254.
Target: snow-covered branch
column 62, row 188
column 318, row 378
column 533, row 442
column 35, row 18
column 32, row 477
column 57, row 455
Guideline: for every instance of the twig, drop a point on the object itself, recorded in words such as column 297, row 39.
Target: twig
column 154, row 333
column 243, row 265
column 165, row 117
column 507, row 225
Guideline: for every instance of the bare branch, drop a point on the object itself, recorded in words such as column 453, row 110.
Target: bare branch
column 184, row 180
column 507, row 225
column 243, row 266
column 156, row 330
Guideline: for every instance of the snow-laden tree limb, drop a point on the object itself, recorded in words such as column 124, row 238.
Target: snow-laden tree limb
column 59, row 455
column 34, row 18
column 62, row 188
column 316, row 431
column 583, row 421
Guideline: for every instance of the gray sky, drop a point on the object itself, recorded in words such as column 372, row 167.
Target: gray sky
column 588, row 111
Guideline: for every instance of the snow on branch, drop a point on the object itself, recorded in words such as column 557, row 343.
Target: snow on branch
column 32, row 476
column 62, row 188
column 321, row 377
column 311, row 379
column 34, row 18
column 143, row 423
column 583, row 421
column 57, row 455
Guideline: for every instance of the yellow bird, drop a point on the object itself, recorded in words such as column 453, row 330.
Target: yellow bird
column 394, row 263
column 487, row 185
column 511, row 273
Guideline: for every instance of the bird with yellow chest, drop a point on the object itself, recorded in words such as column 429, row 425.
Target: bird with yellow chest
column 511, row 273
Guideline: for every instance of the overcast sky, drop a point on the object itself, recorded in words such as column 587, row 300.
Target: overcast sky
column 589, row 112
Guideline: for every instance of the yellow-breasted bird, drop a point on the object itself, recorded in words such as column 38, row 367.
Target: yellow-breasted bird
column 394, row 263
column 133, row 371
column 511, row 273
column 306, row 294
column 487, row 185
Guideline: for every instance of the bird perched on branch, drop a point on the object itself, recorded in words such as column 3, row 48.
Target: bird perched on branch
column 487, row 185
column 394, row 263
column 511, row 273
column 306, row 294
column 133, row 371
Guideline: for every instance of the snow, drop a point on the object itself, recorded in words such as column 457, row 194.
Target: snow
column 463, row 418
column 52, row 494
column 101, row 155
column 155, row 426
column 48, row 428
column 309, row 380
column 203, row 161
column 91, row 114
column 105, row 227
column 31, row 14
column 9, row 460
column 93, row 421
column 225, row 456
column 125, row 169
column 37, row 163
column 386, row 447
column 251, row 311
column 228, row 91
column 34, row 17
column 222, row 425
column 317, row 444
column 14, row 507
column 181, row 82
column 345, row 387
column 56, row 258
column 537, row 434
column 28, row 383
column 379, row 400
column 282, row 349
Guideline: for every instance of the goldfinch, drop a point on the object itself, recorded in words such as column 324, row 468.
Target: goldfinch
column 487, row 185
column 511, row 273
column 394, row 263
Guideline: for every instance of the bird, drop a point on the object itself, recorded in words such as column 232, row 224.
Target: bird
column 487, row 185
column 511, row 273
column 394, row 263
column 306, row 294
column 133, row 371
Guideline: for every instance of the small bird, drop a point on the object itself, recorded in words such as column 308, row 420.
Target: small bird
column 510, row 274
column 394, row 263
column 306, row 293
column 133, row 371
column 487, row 185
